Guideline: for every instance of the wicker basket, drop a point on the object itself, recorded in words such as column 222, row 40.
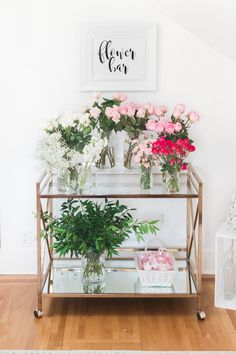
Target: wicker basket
column 162, row 278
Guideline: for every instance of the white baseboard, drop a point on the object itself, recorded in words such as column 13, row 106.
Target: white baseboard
column 24, row 261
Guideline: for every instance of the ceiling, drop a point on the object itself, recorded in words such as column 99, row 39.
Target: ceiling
column 212, row 21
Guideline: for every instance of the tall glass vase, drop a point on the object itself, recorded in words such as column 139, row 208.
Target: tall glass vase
column 171, row 181
column 93, row 268
column 128, row 150
column 146, row 178
column 107, row 155
column 80, row 178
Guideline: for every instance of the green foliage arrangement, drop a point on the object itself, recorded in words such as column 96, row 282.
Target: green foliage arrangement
column 86, row 226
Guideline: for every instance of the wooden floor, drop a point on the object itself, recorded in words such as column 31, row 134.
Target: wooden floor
column 110, row 324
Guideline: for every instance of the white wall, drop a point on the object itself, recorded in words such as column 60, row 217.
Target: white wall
column 39, row 73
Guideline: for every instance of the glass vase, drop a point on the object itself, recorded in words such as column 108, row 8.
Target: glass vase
column 146, row 178
column 93, row 268
column 107, row 155
column 128, row 150
column 80, row 178
column 171, row 181
column 62, row 182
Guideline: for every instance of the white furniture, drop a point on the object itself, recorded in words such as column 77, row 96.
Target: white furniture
column 225, row 242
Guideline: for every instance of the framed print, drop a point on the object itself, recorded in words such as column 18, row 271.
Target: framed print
column 117, row 57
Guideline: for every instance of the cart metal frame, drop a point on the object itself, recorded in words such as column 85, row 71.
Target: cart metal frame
column 193, row 193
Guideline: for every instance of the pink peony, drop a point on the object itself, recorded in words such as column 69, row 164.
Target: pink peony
column 178, row 127
column 193, row 116
column 95, row 112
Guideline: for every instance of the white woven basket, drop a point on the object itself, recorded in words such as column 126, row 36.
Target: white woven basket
column 163, row 278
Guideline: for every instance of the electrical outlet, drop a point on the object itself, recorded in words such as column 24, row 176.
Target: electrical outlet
column 163, row 218
column 26, row 240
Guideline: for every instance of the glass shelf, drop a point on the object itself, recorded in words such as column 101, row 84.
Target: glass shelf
column 123, row 185
column 121, row 281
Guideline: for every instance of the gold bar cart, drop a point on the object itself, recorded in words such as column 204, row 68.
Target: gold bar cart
column 61, row 277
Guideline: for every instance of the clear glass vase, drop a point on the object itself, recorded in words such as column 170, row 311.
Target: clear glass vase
column 146, row 178
column 171, row 181
column 93, row 268
column 128, row 150
column 107, row 155
column 80, row 178
column 62, row 182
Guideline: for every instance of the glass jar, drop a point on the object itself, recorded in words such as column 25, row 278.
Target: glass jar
column 171, row 181
column 128, row 150
column 107, row 155
column 80, row 178
column 93, row 268
column 62, row 182
column 146, row 178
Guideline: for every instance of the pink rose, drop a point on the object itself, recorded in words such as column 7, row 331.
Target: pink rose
column 178, row 127
column 193, row 116
column 160, row 127
column 119, row 97
column 180, row 108
column 141, row 112
column 177, row 114
column 123, row 110
column 149, row 108
column 163, row 108
column 109, row 112
column 170, row 128
column 158, row 112
column 130, row 110
column 151, row 125
column 95, row 112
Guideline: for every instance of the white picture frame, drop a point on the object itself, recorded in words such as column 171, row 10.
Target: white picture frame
column 118, row 57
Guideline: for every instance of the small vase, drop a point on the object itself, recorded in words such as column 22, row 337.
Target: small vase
column 107, row 155
column 146, row 179
column 128, row 150
column 93, row 268
column 63, row 182
column 80, row 178
column 172, row 181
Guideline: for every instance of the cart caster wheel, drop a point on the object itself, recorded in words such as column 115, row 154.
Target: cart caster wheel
column 38, row 313
column 201, row 315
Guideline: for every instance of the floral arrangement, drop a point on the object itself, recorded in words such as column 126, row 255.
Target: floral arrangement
column 105, row 115
column 173, row 144
column 135, row 118
column 156, row 260
column 144, row 157
column 69, row 142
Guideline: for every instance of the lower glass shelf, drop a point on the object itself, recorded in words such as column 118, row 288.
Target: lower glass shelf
column 122, row 280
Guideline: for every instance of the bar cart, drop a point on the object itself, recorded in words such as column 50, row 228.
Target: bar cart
column 61, row 277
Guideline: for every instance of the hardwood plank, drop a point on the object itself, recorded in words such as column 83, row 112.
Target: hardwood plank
column 118, row 324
